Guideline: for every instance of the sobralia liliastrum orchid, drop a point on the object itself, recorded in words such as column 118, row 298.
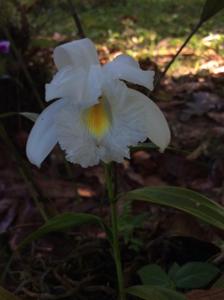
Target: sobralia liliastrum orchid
column 96, row 116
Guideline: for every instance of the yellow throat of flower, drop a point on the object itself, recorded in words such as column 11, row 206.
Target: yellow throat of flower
column 97, row 118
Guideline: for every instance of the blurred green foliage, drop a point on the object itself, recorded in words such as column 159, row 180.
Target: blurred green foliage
column 153, row 19
column 146, row 28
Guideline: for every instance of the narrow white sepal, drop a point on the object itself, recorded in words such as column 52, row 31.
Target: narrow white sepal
column 127, row 60
column 126, row 68
column 155, row 124
column 43, row 136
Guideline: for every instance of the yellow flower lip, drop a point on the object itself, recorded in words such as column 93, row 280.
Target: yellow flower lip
column 97, row 118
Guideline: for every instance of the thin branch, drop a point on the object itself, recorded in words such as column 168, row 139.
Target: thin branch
column 177, row 54
column 76, row 18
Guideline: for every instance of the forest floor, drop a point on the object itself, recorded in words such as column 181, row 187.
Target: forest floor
column 191, row 96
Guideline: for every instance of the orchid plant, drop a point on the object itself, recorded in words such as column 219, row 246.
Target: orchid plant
column 97, row 117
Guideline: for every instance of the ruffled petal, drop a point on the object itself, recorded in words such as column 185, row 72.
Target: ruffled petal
column 43, row 136
column 135, row 118
column 81, row 53
column 67, row 83
column 127, row 124
column 79, row 146
column 126, row 68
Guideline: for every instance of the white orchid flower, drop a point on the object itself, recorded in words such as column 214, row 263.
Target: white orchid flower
column 96, row 117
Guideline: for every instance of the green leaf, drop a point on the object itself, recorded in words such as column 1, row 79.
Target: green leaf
column 173, row 270
column 6, row 295
column 219, row 284
column 183, row 199
column 143, row 146
column 8, row 114
column 154, row 275
column 62, row 222
column 211, row 7
column 195, row 275
column 148, row 292
column 29, row 115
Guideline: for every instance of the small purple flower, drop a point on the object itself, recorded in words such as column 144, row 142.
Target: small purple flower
column 4, row 46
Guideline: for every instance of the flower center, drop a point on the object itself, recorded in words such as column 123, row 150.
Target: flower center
column 97, row 118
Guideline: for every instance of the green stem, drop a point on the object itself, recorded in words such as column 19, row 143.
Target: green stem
column 113, row 210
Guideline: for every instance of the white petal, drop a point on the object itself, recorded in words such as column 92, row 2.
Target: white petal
column 124, row 67
column 115, row 91
column 81, row 53
column 68, row 82
column 126, row 59
column 74, row 138
column 135, row 118
column 43, row 137
column 127, row 124
column 155, row 124
column 93, row 88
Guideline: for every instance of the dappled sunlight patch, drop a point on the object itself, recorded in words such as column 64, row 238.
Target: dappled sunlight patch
column 195, row 57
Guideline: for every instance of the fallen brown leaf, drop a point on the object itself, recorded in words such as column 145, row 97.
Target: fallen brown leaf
column 212, row 294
